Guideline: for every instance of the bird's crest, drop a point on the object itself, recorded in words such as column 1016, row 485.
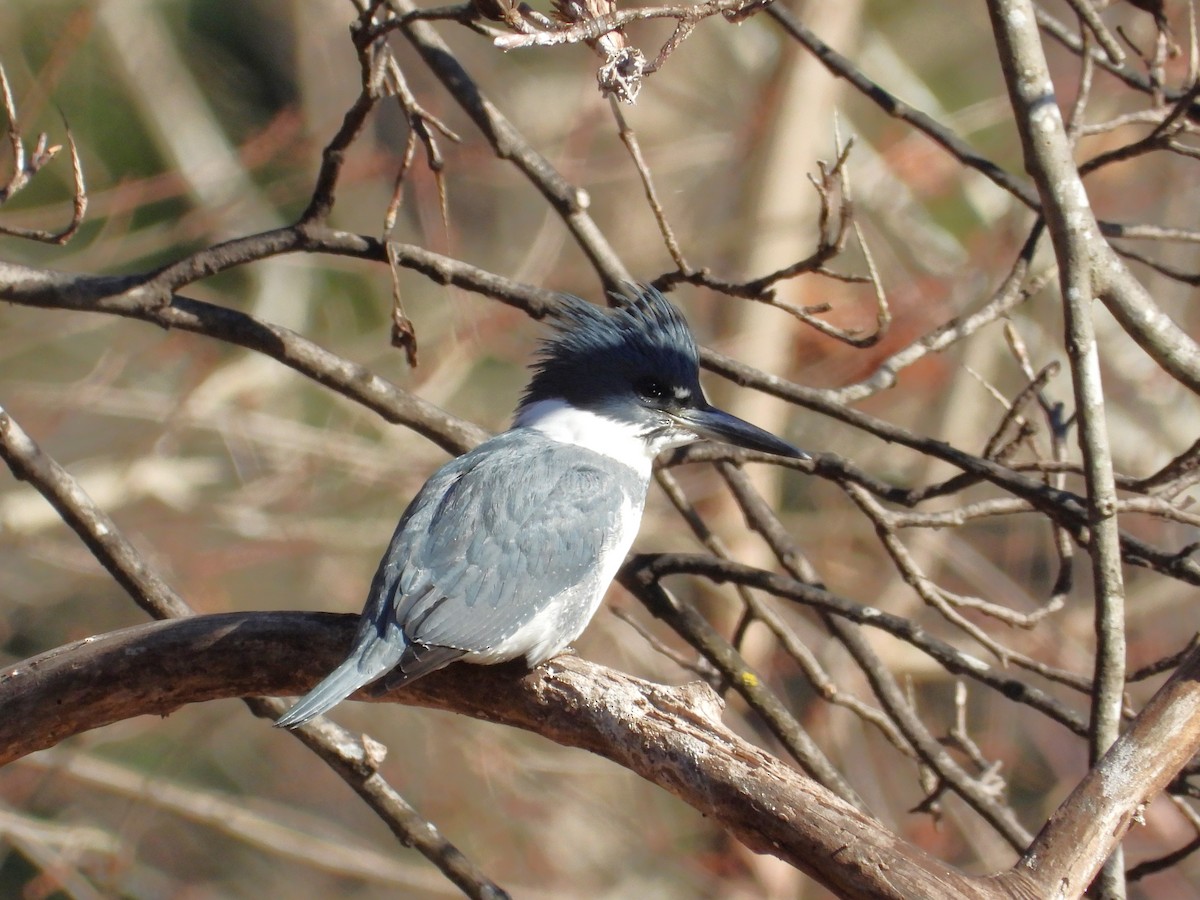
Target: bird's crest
column 644, row 334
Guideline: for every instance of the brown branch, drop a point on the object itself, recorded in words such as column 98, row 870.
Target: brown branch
column 671, row 736
column 1017, row 287
column 939, row 600
column 422, row 125
column 697, row 631
column 127, row 567
column 149, row 298
column 761, row 518
column 144, row 299
column 834, row 224
column 1185, row 464
column 1064, row 507
column 372, row 56
column 1013, row 415
column 842, row 67
column 1112, row 796
column 629, row 139
column 901, row 716
column 355, row 757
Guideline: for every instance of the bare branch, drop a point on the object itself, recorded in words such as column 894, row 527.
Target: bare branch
column 629, row 139
column 24, row 170
column 1018, row 287
column 1079, row 249
column 28, row 463
column 1114, row 793
column 656, row 567
column 965, row 467
column 601, row 25
column 568, row 201
column 696, row 630
column 1088, row 14
column 645, row 727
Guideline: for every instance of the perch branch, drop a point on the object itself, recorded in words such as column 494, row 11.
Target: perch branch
column 670, row 735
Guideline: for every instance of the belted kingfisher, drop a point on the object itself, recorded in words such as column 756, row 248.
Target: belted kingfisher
column 508, row 550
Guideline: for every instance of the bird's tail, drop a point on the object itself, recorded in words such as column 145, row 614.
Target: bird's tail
column 336, row 687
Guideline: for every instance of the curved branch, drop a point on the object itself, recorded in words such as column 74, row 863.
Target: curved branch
column 671, row 736
column 1110, row 799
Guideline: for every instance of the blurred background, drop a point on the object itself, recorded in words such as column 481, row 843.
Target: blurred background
column 253, row 488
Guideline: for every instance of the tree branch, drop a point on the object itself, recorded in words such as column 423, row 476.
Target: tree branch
column 672, row 736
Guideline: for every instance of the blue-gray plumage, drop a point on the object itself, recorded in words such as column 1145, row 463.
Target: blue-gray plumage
column 507, row 551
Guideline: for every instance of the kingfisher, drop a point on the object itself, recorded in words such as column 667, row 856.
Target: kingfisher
column 508, row 550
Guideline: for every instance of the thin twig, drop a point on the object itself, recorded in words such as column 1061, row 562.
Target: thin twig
column 629, row 139
column 1018, row 286
column 25, row 168
column 1088, row 14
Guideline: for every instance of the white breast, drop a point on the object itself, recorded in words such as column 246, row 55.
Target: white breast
column 617, row 440
column 561, row 621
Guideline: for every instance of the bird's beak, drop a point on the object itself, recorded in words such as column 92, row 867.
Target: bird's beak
column 718, row 425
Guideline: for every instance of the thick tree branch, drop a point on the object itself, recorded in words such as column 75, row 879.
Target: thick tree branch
column 671, row 736
column 1112, row 796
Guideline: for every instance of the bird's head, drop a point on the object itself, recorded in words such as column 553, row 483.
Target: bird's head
column 637, row 368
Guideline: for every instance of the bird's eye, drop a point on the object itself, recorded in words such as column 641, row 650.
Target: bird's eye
column 651, row 389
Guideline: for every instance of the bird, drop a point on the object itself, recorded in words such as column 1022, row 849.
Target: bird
column 508, row 550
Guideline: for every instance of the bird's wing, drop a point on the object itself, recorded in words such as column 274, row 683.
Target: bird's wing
column 494, row 537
